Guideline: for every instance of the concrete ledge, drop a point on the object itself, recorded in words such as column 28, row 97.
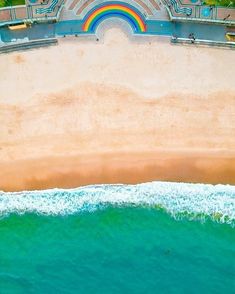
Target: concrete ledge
column 28, row 45
column 175, row 40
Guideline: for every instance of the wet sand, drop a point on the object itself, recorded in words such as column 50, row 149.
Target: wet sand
column 116, row 111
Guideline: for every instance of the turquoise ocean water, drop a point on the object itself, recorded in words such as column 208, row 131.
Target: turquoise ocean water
column 148, row 238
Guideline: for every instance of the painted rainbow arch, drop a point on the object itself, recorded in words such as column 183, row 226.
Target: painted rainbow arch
column 114, row 9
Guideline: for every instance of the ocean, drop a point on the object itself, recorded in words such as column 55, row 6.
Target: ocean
column 155, row 237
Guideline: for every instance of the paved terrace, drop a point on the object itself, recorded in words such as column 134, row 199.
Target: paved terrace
column 193, row 10
column 73, row 17
column 176, row 10
column 33, row 11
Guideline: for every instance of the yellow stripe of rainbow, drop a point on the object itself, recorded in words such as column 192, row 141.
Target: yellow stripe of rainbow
column 112, row 8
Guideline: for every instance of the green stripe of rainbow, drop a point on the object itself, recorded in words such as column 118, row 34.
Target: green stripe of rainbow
column 114, row 9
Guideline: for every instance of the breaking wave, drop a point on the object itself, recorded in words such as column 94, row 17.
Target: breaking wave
column 178, row 199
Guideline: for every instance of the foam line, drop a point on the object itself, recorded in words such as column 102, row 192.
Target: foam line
column 217, row 201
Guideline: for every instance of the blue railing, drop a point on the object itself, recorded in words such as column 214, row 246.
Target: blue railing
column 181, row 10
column 48, row 9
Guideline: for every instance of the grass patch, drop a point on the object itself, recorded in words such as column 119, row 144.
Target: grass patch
column 6, row 3
column 224, row 3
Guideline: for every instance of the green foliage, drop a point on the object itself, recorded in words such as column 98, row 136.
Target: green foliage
column 224, row 3
column 2, row 3
column 6, row 3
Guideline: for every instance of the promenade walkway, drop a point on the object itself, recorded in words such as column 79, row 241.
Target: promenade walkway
column 179, row 19
column 176, row 10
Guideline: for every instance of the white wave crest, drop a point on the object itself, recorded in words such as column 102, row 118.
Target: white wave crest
column 217, row 201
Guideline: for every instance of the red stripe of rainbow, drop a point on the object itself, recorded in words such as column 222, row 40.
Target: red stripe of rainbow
column 112, row 9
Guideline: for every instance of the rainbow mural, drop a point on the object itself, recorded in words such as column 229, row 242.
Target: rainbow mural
column 114, row 9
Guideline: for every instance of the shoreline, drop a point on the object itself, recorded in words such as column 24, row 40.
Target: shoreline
column 72, row 172
column 116, row 112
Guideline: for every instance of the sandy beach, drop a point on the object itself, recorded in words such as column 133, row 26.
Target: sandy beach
column 116, row 111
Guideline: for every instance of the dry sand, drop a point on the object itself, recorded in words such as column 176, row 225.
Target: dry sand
column 88, row 112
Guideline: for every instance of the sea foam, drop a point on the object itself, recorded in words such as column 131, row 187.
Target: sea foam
column 178, row 199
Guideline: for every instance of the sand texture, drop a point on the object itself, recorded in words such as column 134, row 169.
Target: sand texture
column 87, row 112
